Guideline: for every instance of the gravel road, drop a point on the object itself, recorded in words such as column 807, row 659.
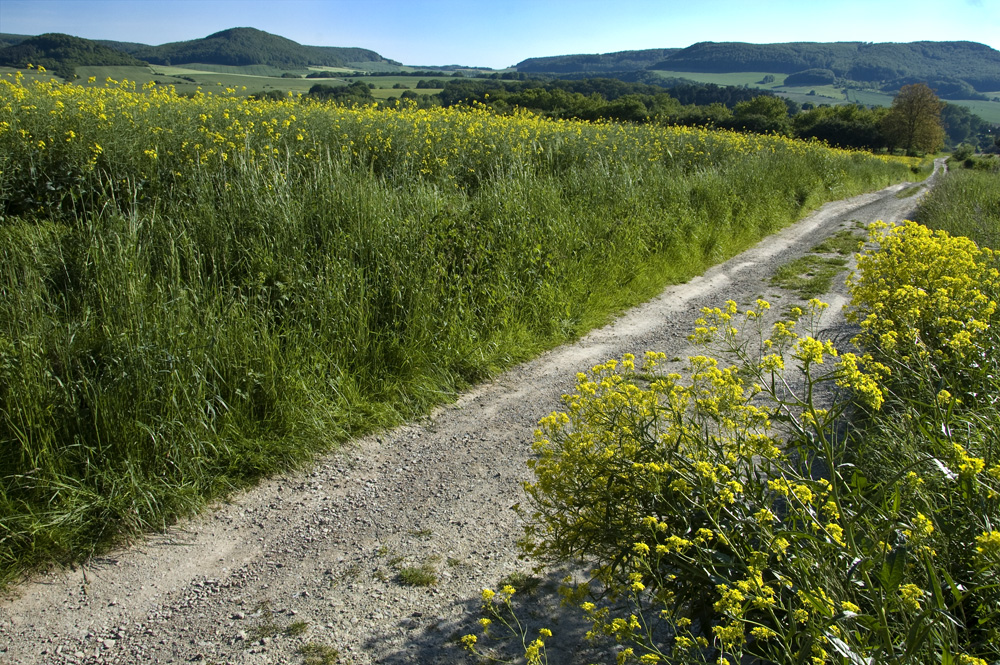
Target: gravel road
column 318, row 552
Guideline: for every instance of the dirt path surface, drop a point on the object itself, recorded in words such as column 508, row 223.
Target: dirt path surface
column 319, row 552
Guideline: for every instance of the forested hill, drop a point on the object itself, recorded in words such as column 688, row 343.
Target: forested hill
column 596, row 63
column 9, row 39
column 976, row 64
column 61, row 53
column 236, row 46
column 249, row 46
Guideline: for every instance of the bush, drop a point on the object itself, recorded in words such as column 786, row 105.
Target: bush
column 927, row 299
column 963, row 152
column 811, row 77
column 734, row 515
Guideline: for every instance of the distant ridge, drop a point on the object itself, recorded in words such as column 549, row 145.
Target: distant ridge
column 596, row 63
column 975, row 65
column 62, row 53
column 9, row 39
column 232, row 47
column 249, row 46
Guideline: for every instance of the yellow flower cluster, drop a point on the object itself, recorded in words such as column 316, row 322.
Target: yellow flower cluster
column 988, row 544
column 923, row 294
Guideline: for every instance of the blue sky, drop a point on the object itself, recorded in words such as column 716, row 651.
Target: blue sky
column 500, row 34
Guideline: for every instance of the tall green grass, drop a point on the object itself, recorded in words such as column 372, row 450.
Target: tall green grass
column 196, row 292
column 966, row 203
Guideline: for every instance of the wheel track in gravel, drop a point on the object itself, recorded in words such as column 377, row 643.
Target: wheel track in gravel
column 322, row 546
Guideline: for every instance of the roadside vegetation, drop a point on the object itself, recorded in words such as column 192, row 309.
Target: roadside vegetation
column 735, row 512
column 967, row 202
column 198, row 291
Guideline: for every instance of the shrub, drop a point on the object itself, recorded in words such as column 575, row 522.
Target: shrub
column 928, row 300
column 724, row 522
column 963, row 152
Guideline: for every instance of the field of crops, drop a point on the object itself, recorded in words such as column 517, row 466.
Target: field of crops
column 197, row 291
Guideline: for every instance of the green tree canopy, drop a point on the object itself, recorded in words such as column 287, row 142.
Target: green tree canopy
column 914, row 121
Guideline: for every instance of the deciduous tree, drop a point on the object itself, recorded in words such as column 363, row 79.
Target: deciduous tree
column 914, row 121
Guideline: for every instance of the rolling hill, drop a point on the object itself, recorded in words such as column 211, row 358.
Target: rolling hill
column 959, row 69
column 62, row 53
column 596, row 63
column 249, row 46
column 233, row 47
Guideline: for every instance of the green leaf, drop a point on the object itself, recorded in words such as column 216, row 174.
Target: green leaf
column 893, row 569
column 858, row 482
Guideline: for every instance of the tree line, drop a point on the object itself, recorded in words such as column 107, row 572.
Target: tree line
column 729, row 107
column 967, row 67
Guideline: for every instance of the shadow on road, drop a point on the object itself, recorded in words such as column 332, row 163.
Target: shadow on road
column 538, row 607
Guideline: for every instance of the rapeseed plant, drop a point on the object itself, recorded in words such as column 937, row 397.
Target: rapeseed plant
column 711, row 536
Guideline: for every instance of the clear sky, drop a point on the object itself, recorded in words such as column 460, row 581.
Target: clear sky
column 502, row 33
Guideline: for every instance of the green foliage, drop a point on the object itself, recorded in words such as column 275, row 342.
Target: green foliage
column 729, row 515
column 763, row 114
column 966, row 203
column 249, row 46
column 596, row 63
column 963, row 152
column 963, row 126
column 810, row 275
column 843, row 242
column 962, row 65
column 315, row 653
column 422, row 575
column 296, row 628
column 976, row 64
column 811, row 77
column 847, row 126
column 188, row 302
column 62, row 54
column 354, row 93
column 914, row 121
column 597, row 98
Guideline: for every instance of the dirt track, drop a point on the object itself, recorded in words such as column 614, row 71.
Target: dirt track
column 324, row 546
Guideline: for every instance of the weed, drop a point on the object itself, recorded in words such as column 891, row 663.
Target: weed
column 809, row 276
column 842, row 242
column 296, row 628
column 908, row 192
column 420, row 575
column 315, row 653
column 267, row 627
column 525, row 583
